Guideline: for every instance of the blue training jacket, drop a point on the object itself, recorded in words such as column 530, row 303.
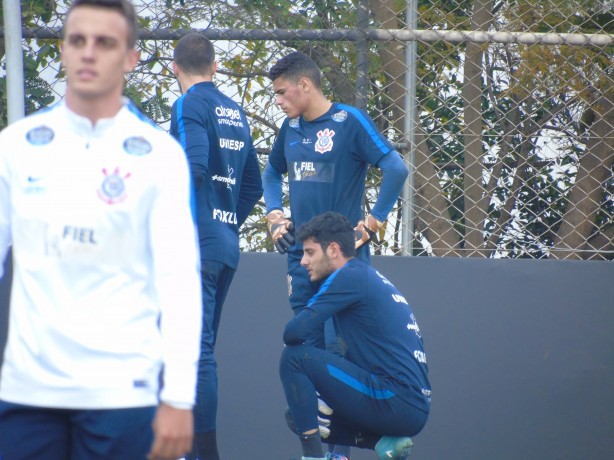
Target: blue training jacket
column 213, row 131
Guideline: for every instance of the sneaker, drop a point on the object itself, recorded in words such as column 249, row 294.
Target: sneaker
column 392, row 448
column 333, row 456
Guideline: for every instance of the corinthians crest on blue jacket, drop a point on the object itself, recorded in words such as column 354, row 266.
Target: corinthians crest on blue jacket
column 325, row 141
column 113, row 188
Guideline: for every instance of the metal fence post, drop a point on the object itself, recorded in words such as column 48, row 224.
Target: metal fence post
column 410, row 123
column 14, row 60
column 362, row 56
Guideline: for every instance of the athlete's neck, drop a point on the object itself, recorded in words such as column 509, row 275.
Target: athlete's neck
column 94, row 108
column 318, row 108
column 186, row 81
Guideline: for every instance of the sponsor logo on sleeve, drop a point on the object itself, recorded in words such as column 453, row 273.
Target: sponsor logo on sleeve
column 226, row 217
column 305, row 141
column 420, row 356
column 304, row 169
column 399, row 299
column 413, row 326
column 339, row 116
column 82, row 235
column 384, row 279
column 310, row 171
column 228, row 180
column 231, row 144
column 35, row 184
column 41, row 135
column 68, row 240
column 228, row 116
column 137, row 145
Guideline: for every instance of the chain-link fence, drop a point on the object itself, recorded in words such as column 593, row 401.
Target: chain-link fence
column 503, row 109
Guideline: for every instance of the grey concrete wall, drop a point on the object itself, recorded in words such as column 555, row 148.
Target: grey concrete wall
column 520, row 352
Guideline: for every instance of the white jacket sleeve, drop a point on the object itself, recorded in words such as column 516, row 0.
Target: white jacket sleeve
column 5, row 211
column 176, row 269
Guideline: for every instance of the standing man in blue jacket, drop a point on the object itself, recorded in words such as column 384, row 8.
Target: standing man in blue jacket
column 325, row 149
column 378, row 393
column 215, row 135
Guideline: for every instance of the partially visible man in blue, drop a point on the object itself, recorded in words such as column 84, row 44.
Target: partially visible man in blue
column 378, row 393
column 215, row 135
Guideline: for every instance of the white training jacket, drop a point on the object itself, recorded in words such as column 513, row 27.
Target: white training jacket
column 106, row 280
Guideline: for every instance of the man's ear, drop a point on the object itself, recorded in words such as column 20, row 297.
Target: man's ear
column 132, row 59
column 334, row 249
column 62, row 52
column 305, row 84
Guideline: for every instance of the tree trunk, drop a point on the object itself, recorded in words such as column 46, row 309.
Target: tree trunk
column 601, row 244
column 432, row 213
column 392, row 54
column 476, row 201
column 586, row 194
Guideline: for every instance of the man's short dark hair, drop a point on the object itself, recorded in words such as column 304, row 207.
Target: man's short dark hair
column 295, row 66
column 123, row 7
column 327, row 228
column 194, row 54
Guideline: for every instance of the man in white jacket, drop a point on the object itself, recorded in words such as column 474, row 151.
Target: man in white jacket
column 105, row 314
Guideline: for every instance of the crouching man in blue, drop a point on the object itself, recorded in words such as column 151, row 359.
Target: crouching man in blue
column 377, row 395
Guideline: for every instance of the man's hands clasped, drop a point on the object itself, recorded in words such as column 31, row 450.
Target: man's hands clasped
column 366, row 230
column 281, row 230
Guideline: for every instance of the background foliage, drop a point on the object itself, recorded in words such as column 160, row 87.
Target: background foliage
column 513, row 147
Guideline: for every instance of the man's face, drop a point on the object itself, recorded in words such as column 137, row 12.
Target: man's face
column 290, row 97
column 316, row 260
column 95, row 53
